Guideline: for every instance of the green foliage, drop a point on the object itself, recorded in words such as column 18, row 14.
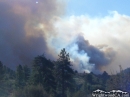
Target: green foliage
column 26, row 73
column 20, row 77
column 8, row 73
column 57, row 79
column 119, row 81
column 1, row 71
column 31, row 91
column 35, row 91
column 80, row 94
column 42, row 73
column 7, row 83
column 64, row 72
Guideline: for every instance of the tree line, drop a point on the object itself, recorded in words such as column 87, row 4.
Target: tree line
column 47, row 78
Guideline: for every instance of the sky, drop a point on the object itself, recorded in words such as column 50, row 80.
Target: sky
column 96, row 8
column 95, row 33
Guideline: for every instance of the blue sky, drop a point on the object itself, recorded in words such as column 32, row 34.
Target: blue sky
column 97, row 7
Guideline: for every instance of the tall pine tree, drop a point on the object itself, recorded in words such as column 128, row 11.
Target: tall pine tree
column 26, row 73
column 19, row 77
column 64, row 72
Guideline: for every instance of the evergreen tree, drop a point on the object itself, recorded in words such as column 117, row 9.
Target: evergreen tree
column 113, row 82
column 26, row 71
column 19, row 77
column 42, row 73
column 64, row 72
column 1, row 71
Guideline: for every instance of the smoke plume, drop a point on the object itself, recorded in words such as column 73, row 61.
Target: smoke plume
column 87, row 57
column 109, row 38
column 29, row 28
column 21, row 36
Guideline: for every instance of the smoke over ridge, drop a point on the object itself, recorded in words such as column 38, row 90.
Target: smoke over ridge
column 29, row 28
column 87, row 57
column 109, row 37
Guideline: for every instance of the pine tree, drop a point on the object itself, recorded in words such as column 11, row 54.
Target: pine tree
column 26, row 73
column 42, row 73
column 64, row 72
column 1, row 71
column 19, row 77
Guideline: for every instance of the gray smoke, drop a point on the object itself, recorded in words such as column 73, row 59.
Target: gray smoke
column 29, row 28
column 88, row 57
column 20, row 38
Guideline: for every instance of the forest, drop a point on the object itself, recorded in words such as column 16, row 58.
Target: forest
column 47, row 78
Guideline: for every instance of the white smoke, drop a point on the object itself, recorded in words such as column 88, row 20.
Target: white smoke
column 80, row 59
column 109, row 34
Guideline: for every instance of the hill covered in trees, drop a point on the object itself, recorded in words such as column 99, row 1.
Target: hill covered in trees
column 46, row 78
